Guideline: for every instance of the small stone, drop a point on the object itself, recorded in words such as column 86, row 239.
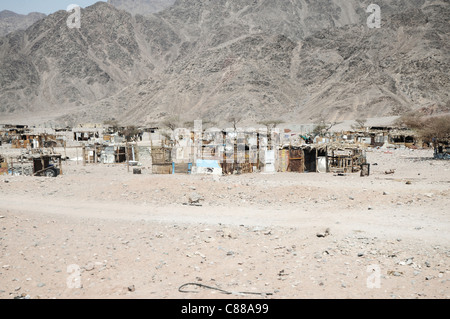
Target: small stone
column 194, row 199
column 131, row 288
column 200, row 254
column 41, row 284
column 325, row 234
column 89, row 267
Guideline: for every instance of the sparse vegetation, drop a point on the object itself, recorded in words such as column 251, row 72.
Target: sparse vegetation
column 235, row 120
column 428, row 128
column 360, row 124
column 271, row 124
column 323, row 128
column 130, row 133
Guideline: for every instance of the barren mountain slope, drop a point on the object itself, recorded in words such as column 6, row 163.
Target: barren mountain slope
column 337, row 74
column 11, row 21
column 142, row 7
column 51, row 67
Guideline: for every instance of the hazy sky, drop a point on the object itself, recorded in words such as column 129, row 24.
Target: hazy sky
column 43, row 6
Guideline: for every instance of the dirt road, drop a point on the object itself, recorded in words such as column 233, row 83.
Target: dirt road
column 102, row 232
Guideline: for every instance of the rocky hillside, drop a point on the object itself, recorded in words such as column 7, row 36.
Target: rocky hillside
column 293, row 60
column 11, row 21
column 142, row 7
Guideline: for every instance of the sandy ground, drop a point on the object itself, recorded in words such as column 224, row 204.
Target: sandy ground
column 99, row 231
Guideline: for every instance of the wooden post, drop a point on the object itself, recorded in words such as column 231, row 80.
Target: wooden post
column 21, row 159
column 60, row 167
column 43, row 163
column 84, row 155
column 126, row 157
column 76, row 149
column 317, row 160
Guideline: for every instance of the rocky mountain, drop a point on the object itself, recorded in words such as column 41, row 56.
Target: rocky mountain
column 295, row 60
column 11, row 21
column 142, row 7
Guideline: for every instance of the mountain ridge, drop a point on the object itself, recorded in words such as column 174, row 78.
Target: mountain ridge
column 212, row 60
column 11, row 21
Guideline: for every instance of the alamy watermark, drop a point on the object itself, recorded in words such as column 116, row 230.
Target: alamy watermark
column 74, row 19
column 374, row 279
column 374, row 20
column 73, row 281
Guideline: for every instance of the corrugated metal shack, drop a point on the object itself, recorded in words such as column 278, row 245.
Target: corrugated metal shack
column 110, row 153
column 321, row 158
column 32, row 164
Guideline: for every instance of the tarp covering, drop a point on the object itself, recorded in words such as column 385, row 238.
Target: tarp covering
column 207, row 164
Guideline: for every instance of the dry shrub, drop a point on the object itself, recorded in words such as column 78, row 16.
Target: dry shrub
column 428, row 128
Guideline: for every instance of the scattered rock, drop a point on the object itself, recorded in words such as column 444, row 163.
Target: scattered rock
column 325, row 234
column 282, row 273
column 395, row 273
column 194, row 199
column 89, row 267
column 227, row 233
column 131, row 288
column 200, row 254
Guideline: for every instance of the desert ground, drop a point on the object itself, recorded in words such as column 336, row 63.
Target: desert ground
column 99, row 231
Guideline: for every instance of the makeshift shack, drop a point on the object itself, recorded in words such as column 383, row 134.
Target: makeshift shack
column 3, row 166
column 110, row 153
column 441, row 149
column 322, row 158
column 345, row 159
column 161, row 160
column 47, row 165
